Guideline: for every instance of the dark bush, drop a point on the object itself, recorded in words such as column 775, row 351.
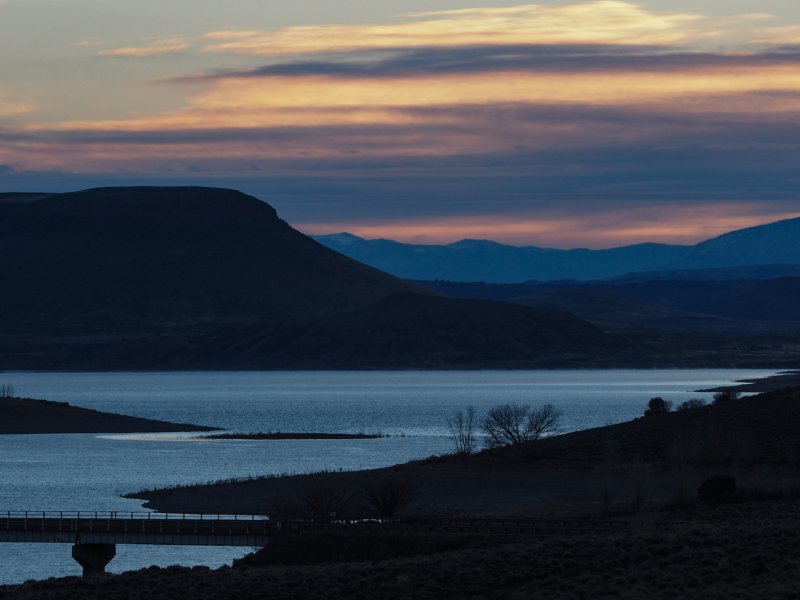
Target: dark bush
column 717, row 489
column 657, row 406
column 692, row 404
column 725, row 397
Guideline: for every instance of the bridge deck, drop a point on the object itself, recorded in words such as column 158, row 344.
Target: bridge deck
column 135, row 528
column 253, row 530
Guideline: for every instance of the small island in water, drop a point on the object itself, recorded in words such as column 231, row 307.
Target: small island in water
column 288, row 435
column 28, row 416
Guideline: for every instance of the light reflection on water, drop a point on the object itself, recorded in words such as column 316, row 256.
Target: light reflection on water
column 89, row 472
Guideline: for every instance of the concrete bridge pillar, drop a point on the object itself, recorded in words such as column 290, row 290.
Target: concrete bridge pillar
column 93, row 557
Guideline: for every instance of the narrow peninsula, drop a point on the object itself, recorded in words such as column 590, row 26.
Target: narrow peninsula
column 28, row 416
column 288, row 435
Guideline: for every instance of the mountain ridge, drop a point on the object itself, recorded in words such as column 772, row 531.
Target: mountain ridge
column 493, row 262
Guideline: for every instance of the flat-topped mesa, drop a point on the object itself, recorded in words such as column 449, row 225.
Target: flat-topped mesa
column 151, row 258
column 144, row 203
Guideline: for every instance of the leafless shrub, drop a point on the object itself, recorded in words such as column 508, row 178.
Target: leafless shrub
column 544, row 420
column 462, row 430
column 386, row 497
column 512, row 424
column 6, row 391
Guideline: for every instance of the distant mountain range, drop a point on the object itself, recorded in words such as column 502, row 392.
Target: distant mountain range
column 481, row 260
column 203, row 278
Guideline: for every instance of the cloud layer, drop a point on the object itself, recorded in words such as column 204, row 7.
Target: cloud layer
column 593, row 108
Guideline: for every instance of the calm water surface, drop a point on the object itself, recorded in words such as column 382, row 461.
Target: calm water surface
column 89, row 472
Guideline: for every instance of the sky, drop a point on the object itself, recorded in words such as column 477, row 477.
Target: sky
column 562, row 124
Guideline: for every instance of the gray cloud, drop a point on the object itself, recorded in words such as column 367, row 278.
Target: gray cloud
column 559, row 58
column 658, row 125
column 600, row 157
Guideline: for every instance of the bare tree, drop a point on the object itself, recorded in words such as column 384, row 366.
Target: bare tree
column 513, row 424
column 544, row 420
column 6, row 391
column 462, row 430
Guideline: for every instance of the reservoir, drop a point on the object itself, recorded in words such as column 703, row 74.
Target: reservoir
column 410, row 408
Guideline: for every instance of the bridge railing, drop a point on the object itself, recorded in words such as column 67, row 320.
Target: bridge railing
column 115, row 515
column 162, row 522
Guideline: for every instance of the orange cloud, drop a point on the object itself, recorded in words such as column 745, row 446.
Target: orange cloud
column 787, row 35
column 159, row 48
column 10, row 107
column 436, row 114
column 301, row 103
column 600, row 22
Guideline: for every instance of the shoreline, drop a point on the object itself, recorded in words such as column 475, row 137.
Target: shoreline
column 573, row 468
column 772, row 383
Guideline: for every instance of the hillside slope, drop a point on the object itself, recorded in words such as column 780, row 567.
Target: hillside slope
column 414, row 330
column 775, row 243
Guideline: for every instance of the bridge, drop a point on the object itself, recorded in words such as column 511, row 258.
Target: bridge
column 94, row 535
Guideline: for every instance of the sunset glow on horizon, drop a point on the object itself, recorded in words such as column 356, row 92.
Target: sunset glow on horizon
column 592, row 123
